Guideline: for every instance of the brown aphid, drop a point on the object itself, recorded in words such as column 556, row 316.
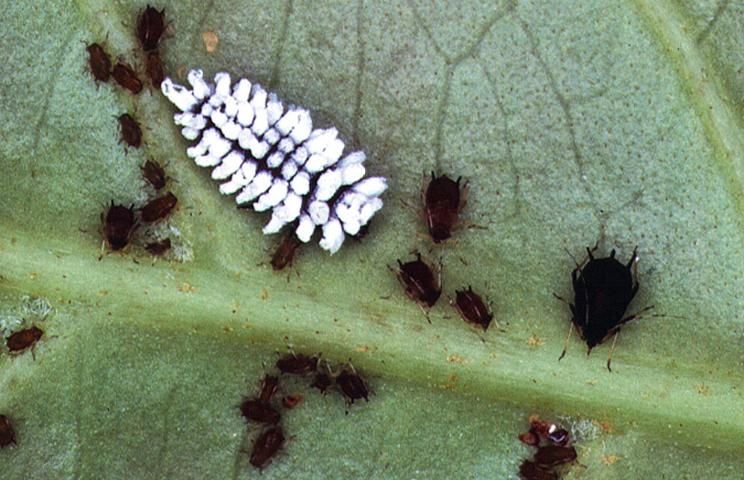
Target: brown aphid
column 443, row 201
column 154, row 68
column 269, row 386
column 99, row 62
column 118, row 226
column 158, row 208
column 552, row 455
column 352, row 385
column 266, row 446
column 419, row 281
column 291, row 401
column 154, row 173
column 7, row 434
column 472, row 308
column 131, row 133
column 158, row 248
column 297, row 364
column 285, row 252
column 321, row 381
column 258, row 411
column 150, row 27
column 529, row 470
column 24, row 339
column 126, row 77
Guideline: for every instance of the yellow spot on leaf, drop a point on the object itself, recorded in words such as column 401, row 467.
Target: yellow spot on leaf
column 535, row 341
column 450, row 384
column 264, row 294
column 210, row 40
column 610, row 459
column 362, row 349
column 456, row 359
column 186, row 287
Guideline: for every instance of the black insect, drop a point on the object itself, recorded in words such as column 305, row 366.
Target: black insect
column 99, row 62
column 297, row 364
column 159, row 247
column 554, row 455
column 422, row 285
column 530, row 470
column 150, row 27
column 352, row 385
column 118, row 226
column 154, row 173
column 553, row 450
column 154, row 68
column 321, row 381
column 259, row 411
column 266, row 446
column 24, row 339
column 472, row 308
column 285, row 252
column 603, row 289
column 158, row 208
column 7, row 434
column 126, row 77
column 269, row 386
column 443, row 200
column 131, row 133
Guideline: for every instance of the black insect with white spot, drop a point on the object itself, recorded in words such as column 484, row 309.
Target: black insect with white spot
column 271, row 156
column 7, row 434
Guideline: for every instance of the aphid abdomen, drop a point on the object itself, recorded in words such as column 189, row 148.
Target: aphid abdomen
column 271, row 157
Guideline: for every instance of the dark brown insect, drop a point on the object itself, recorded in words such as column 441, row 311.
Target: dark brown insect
column 321, row 381
column 154, row 68
column 126, row 77
column 291, row 401
column 266, row 446
column 544, row 433
column 529, row 470
column 553, row 455
column 7, row 434
column 158, row 248
column 297, row 364
column 118, row 226
column 154, row 173
column 419, row 281
column 150, row 27
column 472, row 308
column 259, row 411
column 131, row 133
column 443, row 201
column 352, row 385
column 269, row 386
column 285, row 252
column 99, row 62
column 24, row 339
column 158, row 208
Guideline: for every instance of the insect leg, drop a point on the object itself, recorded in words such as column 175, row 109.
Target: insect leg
column 612, row 348
column 565, row 344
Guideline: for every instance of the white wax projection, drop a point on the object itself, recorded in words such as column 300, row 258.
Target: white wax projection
column 270, row 156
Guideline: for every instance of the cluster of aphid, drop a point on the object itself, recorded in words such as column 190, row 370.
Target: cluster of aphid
column 262, row 411
column 554, row 450
column 272, row 158
column 150, row 29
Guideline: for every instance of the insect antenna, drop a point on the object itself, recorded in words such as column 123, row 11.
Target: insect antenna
column 612, row 349
column 568, row 337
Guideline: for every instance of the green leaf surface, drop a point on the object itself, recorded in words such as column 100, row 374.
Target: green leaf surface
column 573, row 121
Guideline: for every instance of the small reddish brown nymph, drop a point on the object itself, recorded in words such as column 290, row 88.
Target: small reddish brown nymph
column 258, row 411
column 422, row 285
column 297, row 364
column 131, row 133
column 154, row 68
column 118, row 226
column 150, row 27
column 285, row 252
column 472, row 308
column 266, row 446
column 24, row 339
column 352, row 385
column 154, row 173
column 99, row 62
column 158, row 208
column 158, row 248
column 291, row 401
column 7, row 434
column 126, row 77
column 443, row 200
column 269, row 386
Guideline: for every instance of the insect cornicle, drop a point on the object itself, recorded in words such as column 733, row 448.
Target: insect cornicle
column 272, row 156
